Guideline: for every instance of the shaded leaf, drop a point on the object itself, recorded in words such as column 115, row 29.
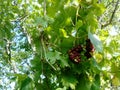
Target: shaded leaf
column 96, row 83
column 64, row 62
column 69, row 81
column 84, row 83
column 26, row 84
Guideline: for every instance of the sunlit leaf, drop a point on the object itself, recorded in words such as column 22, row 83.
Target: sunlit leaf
column 116, row 81
column 96, row 42
column 79, row 24
column 64, row 33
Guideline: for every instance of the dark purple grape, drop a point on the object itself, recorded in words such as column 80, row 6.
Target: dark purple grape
column 79, row 48
column 74, row 54
column 89, row 46
column 88, row 55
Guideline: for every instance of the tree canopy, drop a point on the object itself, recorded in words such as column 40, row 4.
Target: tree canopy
column 59, row 44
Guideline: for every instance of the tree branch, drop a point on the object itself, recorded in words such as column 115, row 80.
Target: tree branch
column 8, row 52
column 8, row 49
column 112, row 16
column 110, row 3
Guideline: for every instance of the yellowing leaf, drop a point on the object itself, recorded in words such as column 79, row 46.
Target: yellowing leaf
column 68, row 21
column 98, row 57
column 64, row 33
column 116, row 81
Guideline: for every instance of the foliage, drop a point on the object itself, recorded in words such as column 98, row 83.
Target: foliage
column 36, row 36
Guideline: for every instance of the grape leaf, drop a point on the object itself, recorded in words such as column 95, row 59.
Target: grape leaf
column 64, row 88
column 115, row 81
column 96, row 83
column 69, row 81
column 40, row 21
column 64, row 33
column 53, row 56
column 84, row 83
column 64, row 62
column 79, row 24
column 26, row 84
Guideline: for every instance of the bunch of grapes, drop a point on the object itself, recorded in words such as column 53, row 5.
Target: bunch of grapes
column 74, row 54
column 89, row 49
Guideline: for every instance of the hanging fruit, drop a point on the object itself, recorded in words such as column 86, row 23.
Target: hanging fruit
column 74, row 54
column 89, row 46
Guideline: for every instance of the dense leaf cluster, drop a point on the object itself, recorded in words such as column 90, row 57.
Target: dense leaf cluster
column 40, row 40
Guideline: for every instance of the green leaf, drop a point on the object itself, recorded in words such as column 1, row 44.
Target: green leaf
column 95, row 65
column 64, row 88
column 53, row 56
column 36, row 64
column 96, row 83
column 39, row 21
column 116, row 81
column 79, row 24
column 64, row 62
column 69, row 81
column 26, row 84
column 84, row 83
column 63, row 33
column 67, row 43
column 96, row 42
column 99, row 9
column 20, row 77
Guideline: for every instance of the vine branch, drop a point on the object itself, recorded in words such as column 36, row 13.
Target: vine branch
column 44, row 7
column 43, row 46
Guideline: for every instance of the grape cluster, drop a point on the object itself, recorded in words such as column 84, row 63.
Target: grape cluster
column 74, row 54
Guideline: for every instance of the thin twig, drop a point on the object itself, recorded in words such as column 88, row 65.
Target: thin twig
column 109, row 3
column 19, row 19
column 112, row 16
